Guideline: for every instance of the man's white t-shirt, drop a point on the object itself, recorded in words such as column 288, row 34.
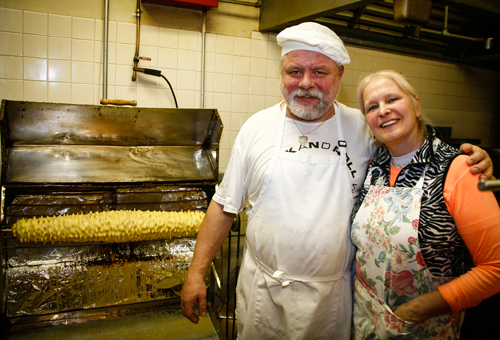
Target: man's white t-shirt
column 254, row 146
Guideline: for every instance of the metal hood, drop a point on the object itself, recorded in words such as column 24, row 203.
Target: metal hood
column 456, row 30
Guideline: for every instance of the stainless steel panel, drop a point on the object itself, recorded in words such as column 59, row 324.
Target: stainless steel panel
column 61, row 143
column 65, row 124
column 106, row 164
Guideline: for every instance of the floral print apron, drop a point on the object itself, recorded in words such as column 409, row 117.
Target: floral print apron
column 390, row 269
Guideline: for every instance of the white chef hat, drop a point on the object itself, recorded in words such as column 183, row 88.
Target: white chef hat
column 311, row 36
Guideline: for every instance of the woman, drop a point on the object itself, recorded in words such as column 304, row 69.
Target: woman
column 418, row 209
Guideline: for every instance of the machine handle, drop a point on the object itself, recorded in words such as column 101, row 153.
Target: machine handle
column 118, row 102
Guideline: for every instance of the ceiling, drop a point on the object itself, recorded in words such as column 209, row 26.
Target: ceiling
column 371, row 23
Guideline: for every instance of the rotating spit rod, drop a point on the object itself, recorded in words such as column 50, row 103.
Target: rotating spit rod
column 489, row 185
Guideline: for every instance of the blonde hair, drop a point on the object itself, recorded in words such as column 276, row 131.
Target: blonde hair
column 405, row 85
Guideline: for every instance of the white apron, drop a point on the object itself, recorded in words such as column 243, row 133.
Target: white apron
column 295, row 280
column 390, row 269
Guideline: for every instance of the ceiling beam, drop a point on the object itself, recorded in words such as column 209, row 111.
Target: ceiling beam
column 276, row 15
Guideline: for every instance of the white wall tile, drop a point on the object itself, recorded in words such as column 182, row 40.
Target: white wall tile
column 35, row 91
column 125, row 54
column 167, row 57
column 258, row 67
column 82, row 50
column 188, row 40
column 242, row 46
column 223, row 159
column 35, row 23
column 239, row 103
column 272, row 100
column 273, row 69
column 165, row 99
column 99, row 30
column 223, row 63
column 11, row 89
column 226, row 121
column 273, row 50
column 12, row 43
column 99, row 94
column 112, row 31
column 209, row 81
column 210, row 43
column 146, row 97
column 222, row 101
column 59, row 48
column 99, row 53
column 171, row 75
column 257, row 86
column 224, row 141
column 223, row 83
column 224, row 45
column 256, row 103
column 187, row 60
column 82, row 72
column 148, row 52
column 98, row 74
column 126, row 33
column 273, row 87
column 35, row 46
column 111, row 53
column 35, row 69
column 147, row 80
column 83, row 28
column 210, row 62
column 11, row 67
column 11, row 20
column 187, row 99
column 82, row 93
column 241, row 65
column 60, row 26
column 241, row 84
column 59, row 93
column 149, row 35
column 259, row 49
column 124, row 76
column 60, row 70
column 186, row 80
column 168, row 37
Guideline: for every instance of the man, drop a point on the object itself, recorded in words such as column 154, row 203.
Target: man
column 299, row 165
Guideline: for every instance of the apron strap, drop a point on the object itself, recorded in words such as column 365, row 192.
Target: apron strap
column 285, row 280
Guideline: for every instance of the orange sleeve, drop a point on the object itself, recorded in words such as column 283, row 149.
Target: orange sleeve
column 477, row 217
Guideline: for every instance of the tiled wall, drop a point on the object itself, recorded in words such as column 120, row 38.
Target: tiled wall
column 55, row 58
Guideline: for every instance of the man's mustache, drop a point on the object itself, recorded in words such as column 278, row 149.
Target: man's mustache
column 314, row 93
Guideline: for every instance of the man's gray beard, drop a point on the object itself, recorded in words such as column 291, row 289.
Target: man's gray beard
column 307, row 112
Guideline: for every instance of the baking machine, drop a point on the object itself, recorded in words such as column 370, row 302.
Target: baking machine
column 60, row 159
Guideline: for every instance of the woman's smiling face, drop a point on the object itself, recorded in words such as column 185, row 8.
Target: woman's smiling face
column 392, row 116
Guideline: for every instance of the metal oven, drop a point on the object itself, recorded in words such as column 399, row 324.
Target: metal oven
column 60, row 159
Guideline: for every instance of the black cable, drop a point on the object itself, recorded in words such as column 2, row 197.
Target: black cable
column 171, row 89
column 157, row 73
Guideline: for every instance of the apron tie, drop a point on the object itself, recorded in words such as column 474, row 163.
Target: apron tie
column 285, row 280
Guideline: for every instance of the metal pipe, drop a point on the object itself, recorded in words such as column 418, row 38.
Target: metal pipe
column 138, row 38
column 244, row 3
column 492, row 185
column 105, row 51
column 203, row 45
column 448, row 34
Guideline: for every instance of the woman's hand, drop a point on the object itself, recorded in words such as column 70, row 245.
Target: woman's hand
column 423, row 307
column 479, row 161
